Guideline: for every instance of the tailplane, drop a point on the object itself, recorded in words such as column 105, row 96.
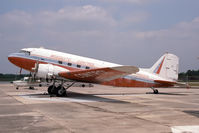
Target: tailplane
column 166, row 67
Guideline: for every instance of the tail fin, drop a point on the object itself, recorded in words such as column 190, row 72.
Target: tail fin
column 166, row 67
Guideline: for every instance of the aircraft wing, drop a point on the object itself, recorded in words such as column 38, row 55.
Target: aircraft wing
column 99, row 74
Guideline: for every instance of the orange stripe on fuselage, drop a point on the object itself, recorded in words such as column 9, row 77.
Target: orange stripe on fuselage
column 28, row 64
column 24, row 63
column 160, row 67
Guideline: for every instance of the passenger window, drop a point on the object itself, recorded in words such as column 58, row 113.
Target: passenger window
column 69, row 64
column 60, row 62
column 78, row 66
column 87, row 67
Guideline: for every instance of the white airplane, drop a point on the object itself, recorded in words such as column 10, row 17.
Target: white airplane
column 54, row 65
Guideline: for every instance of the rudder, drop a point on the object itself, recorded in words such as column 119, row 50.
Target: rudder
column 167, row 67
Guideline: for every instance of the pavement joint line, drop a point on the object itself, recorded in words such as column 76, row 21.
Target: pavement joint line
column 55, row 121
column 125, row 114
column 22, row 114
column 98, row 108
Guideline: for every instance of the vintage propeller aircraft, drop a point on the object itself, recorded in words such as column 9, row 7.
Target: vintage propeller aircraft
column 57, row 66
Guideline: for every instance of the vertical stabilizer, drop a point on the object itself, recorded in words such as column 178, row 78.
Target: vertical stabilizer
column 166, row 67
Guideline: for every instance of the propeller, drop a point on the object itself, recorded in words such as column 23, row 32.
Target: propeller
column 20, row 71
column 35, row 70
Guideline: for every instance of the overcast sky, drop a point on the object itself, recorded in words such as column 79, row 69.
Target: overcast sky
column 129, row 32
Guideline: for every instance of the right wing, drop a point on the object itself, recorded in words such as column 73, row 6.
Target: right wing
column 99, row 74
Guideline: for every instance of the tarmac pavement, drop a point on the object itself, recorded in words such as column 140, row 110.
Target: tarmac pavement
column 100, row 109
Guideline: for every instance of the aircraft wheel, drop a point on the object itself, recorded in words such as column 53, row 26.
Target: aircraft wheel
column 31, row 88
column 52, row 90
column 83, row 85
column 61, row 91
column 155, row 91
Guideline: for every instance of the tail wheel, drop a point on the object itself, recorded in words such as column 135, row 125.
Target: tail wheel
column 155, row 91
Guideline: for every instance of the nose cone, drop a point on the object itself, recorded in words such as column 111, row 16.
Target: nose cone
column 21, row 60
column 11, row 58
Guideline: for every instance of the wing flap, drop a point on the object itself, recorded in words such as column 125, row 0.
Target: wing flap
column 100, row 74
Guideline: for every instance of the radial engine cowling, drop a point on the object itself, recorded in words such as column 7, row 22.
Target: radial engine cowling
column 49, row 70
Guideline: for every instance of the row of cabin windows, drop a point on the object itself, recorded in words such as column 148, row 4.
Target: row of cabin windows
column 70, row 64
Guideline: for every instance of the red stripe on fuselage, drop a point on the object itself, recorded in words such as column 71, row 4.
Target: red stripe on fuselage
column 160, row 67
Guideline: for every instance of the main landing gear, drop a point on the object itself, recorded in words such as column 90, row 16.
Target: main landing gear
column 155, row 91
column 59, row 91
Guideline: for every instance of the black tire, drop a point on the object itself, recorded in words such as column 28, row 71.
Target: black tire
column 156, row 91
column 31, row 88
column 61, row 91
column 83, row 85
column 52, row 90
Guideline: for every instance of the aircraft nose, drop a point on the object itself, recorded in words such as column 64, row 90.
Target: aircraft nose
column 11, row 57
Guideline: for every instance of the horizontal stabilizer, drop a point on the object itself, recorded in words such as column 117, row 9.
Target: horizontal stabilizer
column 99, row 74
column 165, row 82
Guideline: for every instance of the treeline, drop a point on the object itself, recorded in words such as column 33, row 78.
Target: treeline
column 190, row 75
column 11, row 77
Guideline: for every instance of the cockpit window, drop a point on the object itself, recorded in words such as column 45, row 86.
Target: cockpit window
column 26, row 52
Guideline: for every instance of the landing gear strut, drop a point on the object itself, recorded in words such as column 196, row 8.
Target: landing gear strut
column 60, row 90
column 155, row 91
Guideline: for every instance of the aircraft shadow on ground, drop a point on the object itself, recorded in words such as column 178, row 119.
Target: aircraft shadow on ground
column 163, row 93
column 192, row 112
column 78, row 96
column 97, row 96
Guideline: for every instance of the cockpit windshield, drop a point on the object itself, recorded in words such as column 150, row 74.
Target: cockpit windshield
column 24, row 51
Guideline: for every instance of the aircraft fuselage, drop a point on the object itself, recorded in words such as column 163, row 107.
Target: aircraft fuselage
column 27, row 58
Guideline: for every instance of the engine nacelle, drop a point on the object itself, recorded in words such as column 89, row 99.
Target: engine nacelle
column 48, row 70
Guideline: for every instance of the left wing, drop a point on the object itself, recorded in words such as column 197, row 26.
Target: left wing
column 99, row 74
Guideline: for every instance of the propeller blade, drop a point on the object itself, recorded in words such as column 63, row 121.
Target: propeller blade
column 35, row 70
column 20, row 71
